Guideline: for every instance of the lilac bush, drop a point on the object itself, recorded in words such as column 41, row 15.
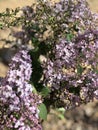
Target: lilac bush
column 18, row 105
column 70, row 69
column 71, row 72
column 64, row 55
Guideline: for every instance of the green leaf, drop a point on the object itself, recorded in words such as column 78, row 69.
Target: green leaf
column 61, row 109
column 61, row 113
column 1, row 26
column 61, row 116
column 45, row 91
column 69, row 36
column 43, row 112
column 34, row 40
column 36, row 27
column 79, row 69
column 34, row 90
column 96, row 71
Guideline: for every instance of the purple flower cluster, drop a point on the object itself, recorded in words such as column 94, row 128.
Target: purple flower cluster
column 71, row 72
column 71, row 69
column 18, row 105
column 66, row 17
column 74, row 15
column 59, row 20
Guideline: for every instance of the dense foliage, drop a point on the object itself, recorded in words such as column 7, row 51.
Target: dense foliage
column 64, row 38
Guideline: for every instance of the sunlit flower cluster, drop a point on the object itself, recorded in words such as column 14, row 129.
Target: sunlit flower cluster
column 71, row 68
column 72, row 71
column 18, row 105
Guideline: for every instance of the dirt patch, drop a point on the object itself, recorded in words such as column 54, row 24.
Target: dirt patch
column 14, row 3
column 93, row 5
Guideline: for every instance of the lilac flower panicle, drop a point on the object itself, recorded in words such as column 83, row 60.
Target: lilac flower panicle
column 62, row 76
column 70, row 68
column 16, row 97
